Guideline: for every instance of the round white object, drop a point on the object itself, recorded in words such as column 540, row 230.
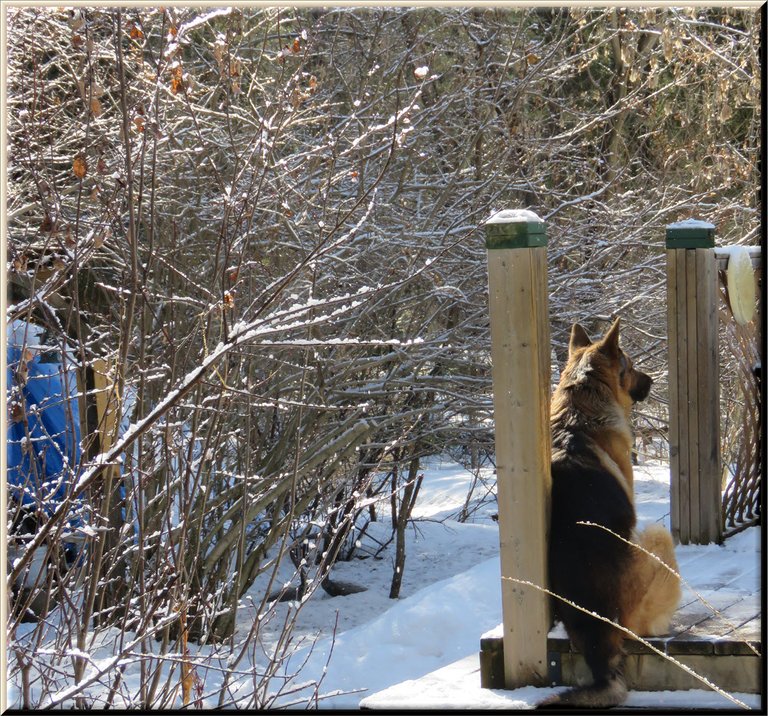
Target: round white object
column 741, row 285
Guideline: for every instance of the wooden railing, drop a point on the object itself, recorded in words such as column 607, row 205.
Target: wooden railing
column 698, row 514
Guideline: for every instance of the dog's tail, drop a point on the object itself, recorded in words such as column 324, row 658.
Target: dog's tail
column 602, row 694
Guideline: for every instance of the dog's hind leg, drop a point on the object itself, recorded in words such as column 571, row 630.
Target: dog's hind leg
column 601, row 646
column 652, row 587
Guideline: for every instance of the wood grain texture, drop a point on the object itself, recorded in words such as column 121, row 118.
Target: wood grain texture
column 694, row 392
column 521, row 379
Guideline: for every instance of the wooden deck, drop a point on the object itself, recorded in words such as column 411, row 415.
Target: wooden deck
column 716, row 632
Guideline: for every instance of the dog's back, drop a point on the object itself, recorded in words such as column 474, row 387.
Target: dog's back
column 586, row 562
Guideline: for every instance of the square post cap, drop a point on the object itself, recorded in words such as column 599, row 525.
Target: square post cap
column 691, row 234
column 514, row 229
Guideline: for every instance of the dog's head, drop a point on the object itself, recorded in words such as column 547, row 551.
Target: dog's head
column 604, row 361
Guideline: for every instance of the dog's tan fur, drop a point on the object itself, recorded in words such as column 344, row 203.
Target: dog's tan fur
column 651, row 591
column 607, row 413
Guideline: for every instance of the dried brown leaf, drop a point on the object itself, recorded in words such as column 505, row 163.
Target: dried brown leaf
column 80, row 166
column 96, row 109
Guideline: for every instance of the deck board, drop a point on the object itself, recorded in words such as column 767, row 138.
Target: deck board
column 716, row 631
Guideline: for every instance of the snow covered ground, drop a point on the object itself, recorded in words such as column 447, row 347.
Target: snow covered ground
column 359, row 645
column 450, row 598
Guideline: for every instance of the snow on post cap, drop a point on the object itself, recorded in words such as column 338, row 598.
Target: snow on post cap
column 691, row 224
column 514, row 229
column 690, row 234
column 513, row 215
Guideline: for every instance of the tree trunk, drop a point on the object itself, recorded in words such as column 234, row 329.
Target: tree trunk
column 410, row 492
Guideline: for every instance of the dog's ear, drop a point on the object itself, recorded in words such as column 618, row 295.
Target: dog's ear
column 579, row 338
column 610, row 342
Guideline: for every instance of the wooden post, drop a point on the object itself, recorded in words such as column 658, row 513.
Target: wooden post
column 97, row 408
column 520, row 355
column 694, row 391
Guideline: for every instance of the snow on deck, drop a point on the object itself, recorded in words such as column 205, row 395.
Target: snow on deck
column 457, row 687
column 722, row 596
column 721, row 603
column 720, row 606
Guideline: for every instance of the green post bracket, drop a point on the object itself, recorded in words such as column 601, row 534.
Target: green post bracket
column 514, row 229
column 691, row 234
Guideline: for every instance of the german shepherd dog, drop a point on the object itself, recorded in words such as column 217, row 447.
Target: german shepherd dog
column 592, row 482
